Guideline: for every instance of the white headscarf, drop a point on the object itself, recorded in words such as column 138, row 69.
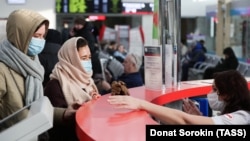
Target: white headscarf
column 76, row 83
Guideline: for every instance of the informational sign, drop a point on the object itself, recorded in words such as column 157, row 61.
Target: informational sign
column 88, row 6
column 137, row 8
column 153, row 67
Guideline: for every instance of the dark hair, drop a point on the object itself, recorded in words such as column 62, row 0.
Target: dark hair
column 233, row 86
column 81, row 42
column 112, row 43
column 202, row 41
column 54, row 36
column 80, row 20
column 229, row 51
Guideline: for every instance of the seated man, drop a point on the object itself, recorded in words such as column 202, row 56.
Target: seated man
column 132, row 76
column 195, row 55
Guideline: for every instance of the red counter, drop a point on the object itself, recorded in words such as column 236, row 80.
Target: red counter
column 97, row 120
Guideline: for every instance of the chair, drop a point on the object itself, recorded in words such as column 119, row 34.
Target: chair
column 203, row 105
column 196, row 72
column 248, row 72
column 115, row 68
column 103, row 62
column 242, row 68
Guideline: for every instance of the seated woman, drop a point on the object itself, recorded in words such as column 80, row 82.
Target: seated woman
column 230, row 62
column 71, row 80
column 231, row 88
column 120, row 53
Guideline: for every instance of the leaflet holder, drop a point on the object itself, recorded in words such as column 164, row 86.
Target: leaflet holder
column 39, row 120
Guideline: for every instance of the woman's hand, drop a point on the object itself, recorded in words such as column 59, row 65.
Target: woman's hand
column 69, row 113
column 127, row 102
column 95, row 95
column 190, row 107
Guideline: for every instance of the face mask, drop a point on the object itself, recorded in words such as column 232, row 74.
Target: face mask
column 36, row 46
column 214, row 102
column 87, row 65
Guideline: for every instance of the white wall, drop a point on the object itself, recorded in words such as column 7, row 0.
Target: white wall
column 44, row 7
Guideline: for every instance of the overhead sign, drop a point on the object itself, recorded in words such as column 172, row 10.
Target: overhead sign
column 137, row 8
column 88, row 6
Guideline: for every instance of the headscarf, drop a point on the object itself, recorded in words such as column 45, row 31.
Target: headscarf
column 21, row 26
column 75, row 82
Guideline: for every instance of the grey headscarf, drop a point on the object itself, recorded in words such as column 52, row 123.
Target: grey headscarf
column 30, row 69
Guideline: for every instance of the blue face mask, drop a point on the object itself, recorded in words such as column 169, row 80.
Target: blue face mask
column 87, row 65
column 36, row 46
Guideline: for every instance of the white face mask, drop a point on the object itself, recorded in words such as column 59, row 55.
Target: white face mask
column 87, row 65
column 214, row 102
column 36, row 46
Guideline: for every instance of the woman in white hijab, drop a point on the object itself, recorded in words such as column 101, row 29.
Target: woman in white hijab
column 71, row 82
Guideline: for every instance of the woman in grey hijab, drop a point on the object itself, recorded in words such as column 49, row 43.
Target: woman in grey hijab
column 21, row 73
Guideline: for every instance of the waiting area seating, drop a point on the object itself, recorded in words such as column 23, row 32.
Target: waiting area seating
column 196, row 72
column 243, row 67
column 111, row 64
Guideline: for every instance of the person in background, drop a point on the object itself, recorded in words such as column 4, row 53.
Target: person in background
column 132, row 76
column 184, row 48
column 65, row 32
column 236, row 100
column 48, row 57
column 96, row 33
column 70, row 81
column 84, row 29
column 197, row 54
column 111, row 48
column 203, row 45
column 102, row 85
column 120, row 53
column 21, row 73
column 230, row 62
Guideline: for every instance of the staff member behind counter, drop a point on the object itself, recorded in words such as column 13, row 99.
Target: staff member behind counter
column 231, row 88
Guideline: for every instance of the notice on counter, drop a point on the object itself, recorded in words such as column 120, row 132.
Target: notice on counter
column 153, row 67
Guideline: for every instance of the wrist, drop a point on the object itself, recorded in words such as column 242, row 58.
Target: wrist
column 141, row 104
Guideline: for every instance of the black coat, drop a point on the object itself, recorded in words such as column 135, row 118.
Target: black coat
column 230, row 63
column 86, row 32
column 227, row 64
column 48, row 58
